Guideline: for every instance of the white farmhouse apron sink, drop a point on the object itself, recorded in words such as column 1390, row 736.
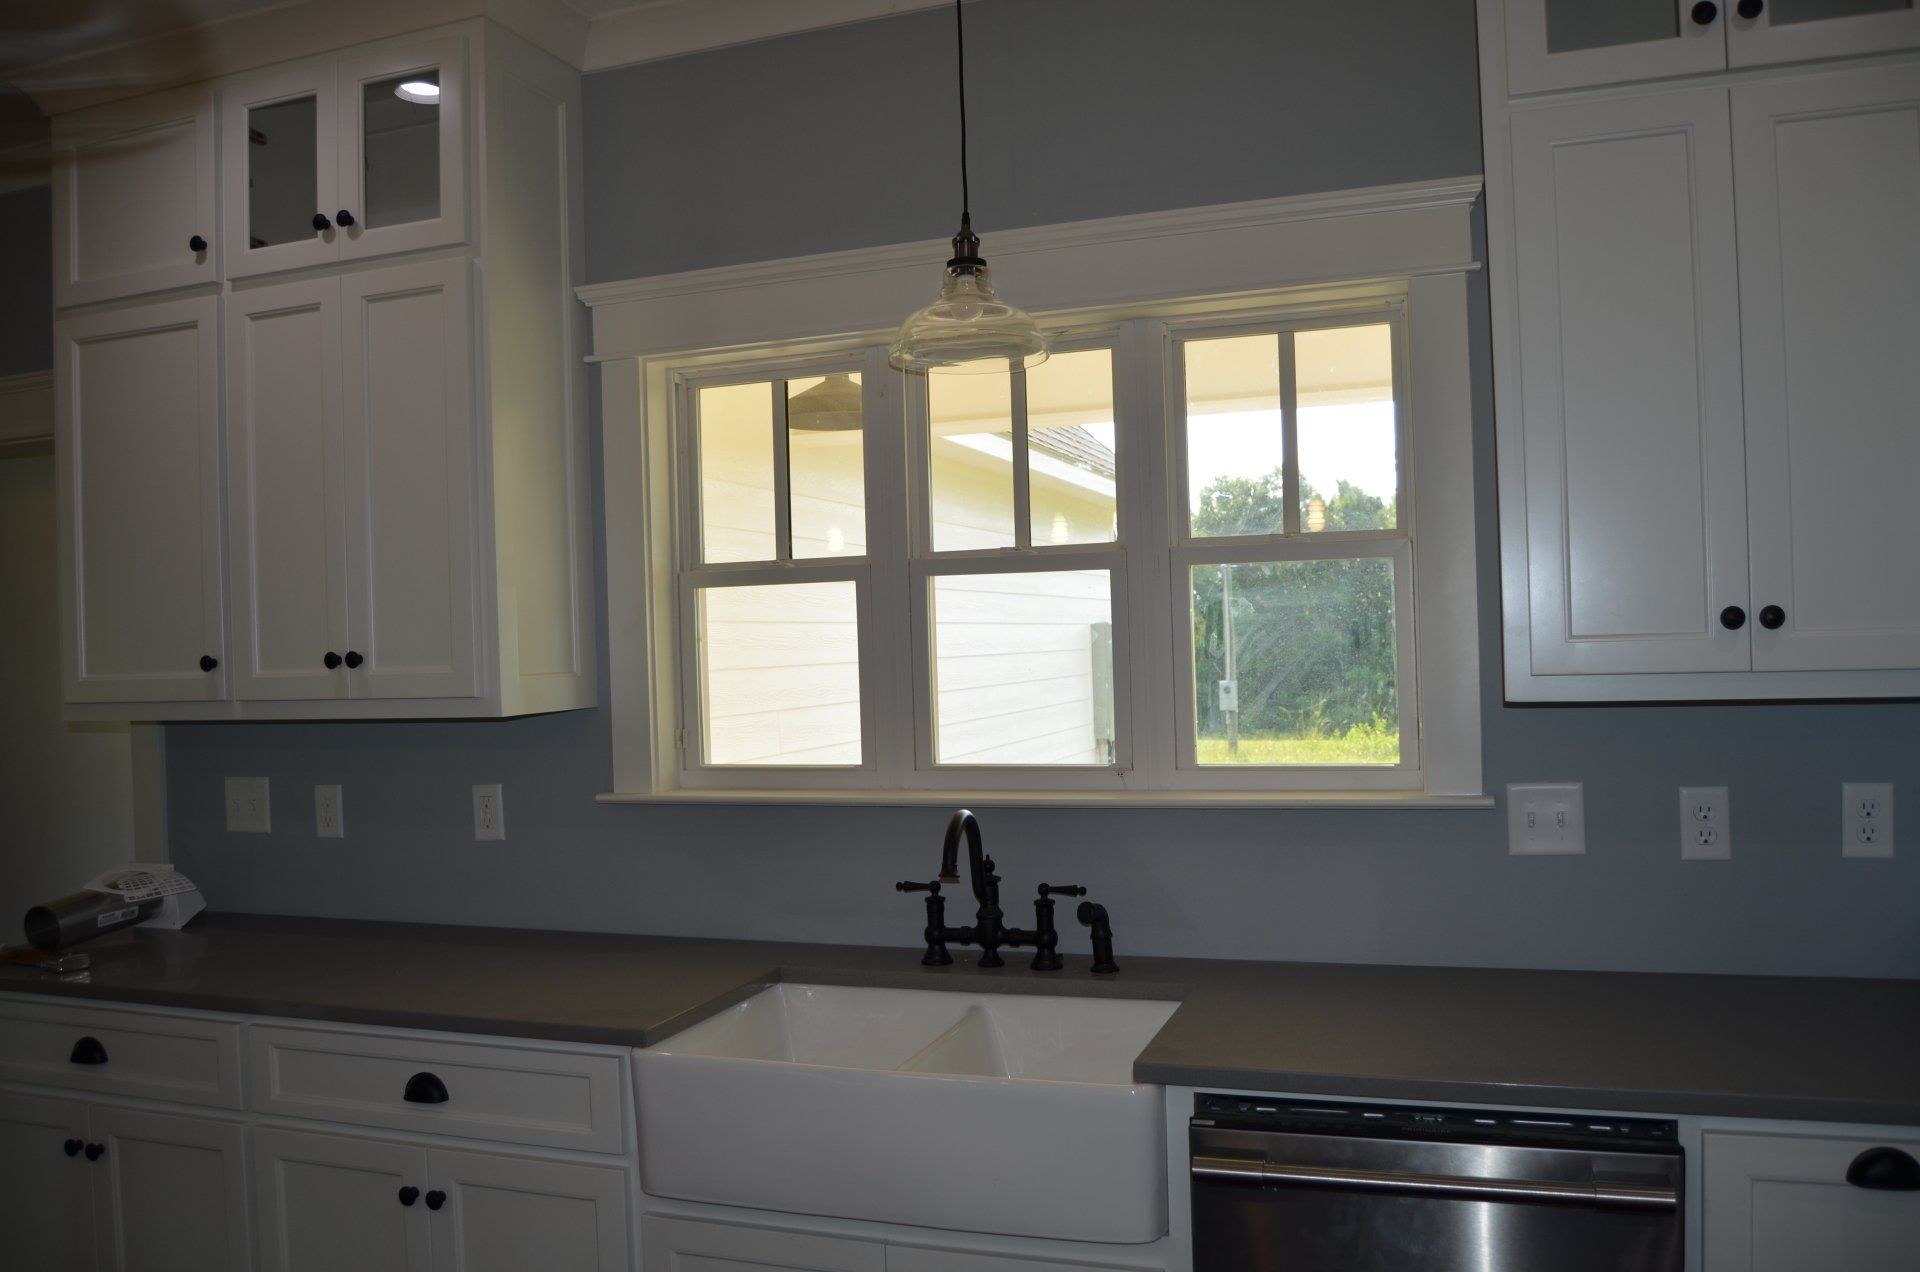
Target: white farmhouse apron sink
column 1002, row 1113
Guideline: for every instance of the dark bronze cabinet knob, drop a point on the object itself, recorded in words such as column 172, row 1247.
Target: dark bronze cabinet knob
column 1773, row 618
column 196, row 244
column 1705, row 12
column 320, row 223
column 409, row 1195
column 344, row 217
column 331, row 662
column 94, row 1151
column 436, row 1199
column 208, row 662
column 1733, row 618
column 1750, row 9
column 73, row 1147
column 354, row 659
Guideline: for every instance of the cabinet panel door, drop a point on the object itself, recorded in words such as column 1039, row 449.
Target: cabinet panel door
column 280, row 152
column 1781, row 1203
column 133, row 185
column 933, row 1259
column 332, row 1202
column 410, row 434
column 1630, row 385
column 1829, row 203
column 46, row 1195
column 505, row 1214
column 403, row 147
column 1795, row 30
column 1569, row 43
column 138, row 441
column 688, row 1245
column 170, row 1193
column 286, row 484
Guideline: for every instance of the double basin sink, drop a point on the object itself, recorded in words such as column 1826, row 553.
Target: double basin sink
column 982, row 1112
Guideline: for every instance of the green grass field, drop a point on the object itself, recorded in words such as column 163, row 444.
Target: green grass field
column 1361, row 746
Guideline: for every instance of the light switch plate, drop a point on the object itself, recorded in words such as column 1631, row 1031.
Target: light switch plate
column 1866, row 819
column 1706, row 823
column 1546, row 819
column 247, row 808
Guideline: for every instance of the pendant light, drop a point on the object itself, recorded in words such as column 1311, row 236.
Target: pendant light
column 967, row 327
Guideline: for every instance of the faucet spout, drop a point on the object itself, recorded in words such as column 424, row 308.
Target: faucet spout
column 964, row 822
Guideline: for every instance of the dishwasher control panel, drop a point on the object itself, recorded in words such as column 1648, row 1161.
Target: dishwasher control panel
column 1407, row 1121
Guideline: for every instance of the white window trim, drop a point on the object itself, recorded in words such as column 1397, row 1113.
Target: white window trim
column 1412, row 243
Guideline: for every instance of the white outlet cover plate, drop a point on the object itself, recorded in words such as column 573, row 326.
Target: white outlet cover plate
column 1706, row 823
column 1546, row 819
column 329, row 813
column 1855, row 800
column 247, row 807
column 489, row 812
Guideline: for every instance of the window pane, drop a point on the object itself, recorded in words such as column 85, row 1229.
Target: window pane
column 1787, row 12
column 1023, row 668
column 780, row 674
column 826, row 466
column 282, row 173
column 970, row 461
column 736, row 472
column 1349, row 476
column 1294, row 663
column 1573, row 25
column 1070, row 448
column 1234, row 441
column 400, row 120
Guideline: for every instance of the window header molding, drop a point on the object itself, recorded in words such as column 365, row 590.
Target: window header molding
column 1398, row 231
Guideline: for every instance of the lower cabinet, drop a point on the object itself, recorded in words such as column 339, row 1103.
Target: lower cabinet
column 1782, row 1203
column 330, row 1202
column 86, row 1186
column 671, row 1244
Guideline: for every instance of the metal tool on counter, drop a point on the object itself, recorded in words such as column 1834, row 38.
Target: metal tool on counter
column 82, row 916
column 50, row 963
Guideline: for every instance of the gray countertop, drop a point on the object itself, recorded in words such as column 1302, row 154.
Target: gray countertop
column 1743, row 1046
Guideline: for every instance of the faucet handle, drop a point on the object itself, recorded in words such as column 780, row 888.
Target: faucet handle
column 1061, row 890
column 932, row 885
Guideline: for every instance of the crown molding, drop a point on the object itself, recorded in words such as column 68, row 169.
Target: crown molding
column 26, row 407
column 1397, row 231
column 657, row 29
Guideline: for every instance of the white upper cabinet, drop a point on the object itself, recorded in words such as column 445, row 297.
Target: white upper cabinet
column 1569, row 43
column 133, row 197
column 346, row 156
column 1628, row 307
column 137, row 422
column 1555, row 44
column 1829, row 196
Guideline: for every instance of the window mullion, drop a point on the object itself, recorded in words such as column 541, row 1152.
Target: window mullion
column 886, row 659
column 1022, row 474
column 782, row 477
column 1145, row 414
column 1289, row 434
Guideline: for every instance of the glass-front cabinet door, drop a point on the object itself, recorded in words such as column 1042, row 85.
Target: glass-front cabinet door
column 1763, row 31
column 279, row 142
column 1569, row 43
column 402, row 128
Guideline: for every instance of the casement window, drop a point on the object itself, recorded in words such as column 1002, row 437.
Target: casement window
column 1211, row 551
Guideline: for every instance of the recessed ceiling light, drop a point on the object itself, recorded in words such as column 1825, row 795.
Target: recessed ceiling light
column 425, row 92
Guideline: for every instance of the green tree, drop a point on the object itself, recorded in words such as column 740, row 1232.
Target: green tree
column 1314, row 640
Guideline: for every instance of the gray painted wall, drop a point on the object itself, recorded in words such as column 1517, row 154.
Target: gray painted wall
column 26, row 280
column 812, row 143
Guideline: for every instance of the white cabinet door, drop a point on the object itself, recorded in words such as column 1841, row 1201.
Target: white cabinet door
column 508, row 1214
column 138, row 440
column 1569, row 43
column 688, row 1245
column 133, row 194
column 403, row 146
column 411, row 501
column 934, row 1259
column 1629, row 331
column 279, row 178
column 332, row 1202
column 1781, row 1203
column 1829, row 203
column 286, row 485
column 170, row 1193
column 46, row 1191
column 1794, row 30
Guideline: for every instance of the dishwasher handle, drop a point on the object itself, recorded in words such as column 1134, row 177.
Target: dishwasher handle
column 1602, row 1194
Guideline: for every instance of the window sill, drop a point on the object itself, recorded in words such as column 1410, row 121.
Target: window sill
column 1373, row 800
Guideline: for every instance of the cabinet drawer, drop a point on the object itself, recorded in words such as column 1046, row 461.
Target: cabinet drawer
column 1780, row 1203
column 132, row 1053
column 516, row 1095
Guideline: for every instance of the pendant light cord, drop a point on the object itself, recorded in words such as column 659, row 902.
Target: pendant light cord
column 960, row 45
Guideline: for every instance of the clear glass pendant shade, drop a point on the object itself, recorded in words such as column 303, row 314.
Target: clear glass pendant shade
column 968, row 328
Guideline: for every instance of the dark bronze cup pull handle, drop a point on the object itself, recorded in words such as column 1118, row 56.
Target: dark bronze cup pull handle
column 88, row 1051
column 1885, row 1169
column 425, row 1088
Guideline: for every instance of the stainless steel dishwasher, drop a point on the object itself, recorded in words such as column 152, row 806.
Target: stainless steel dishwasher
column 1289, row 1186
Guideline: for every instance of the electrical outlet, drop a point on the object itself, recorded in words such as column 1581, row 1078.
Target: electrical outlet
column 1866, row 819
column 489, row 812
column 247, row 808
column 1546, row 819
column 329, row 813
column 1706, row 825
